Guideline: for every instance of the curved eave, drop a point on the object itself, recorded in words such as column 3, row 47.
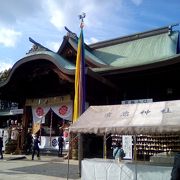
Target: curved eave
column 141, row 67
column 88, row 55
column 64, row 66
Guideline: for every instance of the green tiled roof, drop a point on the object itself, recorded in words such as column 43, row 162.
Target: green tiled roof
column 64, row 65
column 88, row 55
column 59, row 59
column 139, row 52
column 112, row 68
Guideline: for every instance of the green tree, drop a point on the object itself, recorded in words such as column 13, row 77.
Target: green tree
column 4, row 74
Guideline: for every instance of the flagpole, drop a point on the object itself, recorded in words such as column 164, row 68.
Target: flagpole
column 80, row 145
column 79, row 97
column 79, row 85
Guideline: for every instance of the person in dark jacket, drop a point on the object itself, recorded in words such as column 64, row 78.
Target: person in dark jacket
column 28, row 142
column 118, row 152
column 36, row 147
column 1, row 146
column 175, row 173
column 60, row 144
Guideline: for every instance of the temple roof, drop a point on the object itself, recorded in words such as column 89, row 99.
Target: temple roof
column 135, row 50
column 141, row 51
column 150, row 49
column 89, row 56
column 63, row 64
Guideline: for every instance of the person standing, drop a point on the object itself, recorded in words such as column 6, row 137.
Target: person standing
column 36, row 142
column 118, row 152
column 60, row 144
column 1, row 146
column 28, row 142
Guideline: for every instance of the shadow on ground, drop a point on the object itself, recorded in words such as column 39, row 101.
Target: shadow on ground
column 50, row 169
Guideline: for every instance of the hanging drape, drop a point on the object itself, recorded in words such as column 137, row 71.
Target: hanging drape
column 63, row 110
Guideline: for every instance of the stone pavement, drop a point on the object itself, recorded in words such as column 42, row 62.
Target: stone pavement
column 21, row 167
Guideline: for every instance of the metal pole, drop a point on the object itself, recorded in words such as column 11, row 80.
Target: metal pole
column 70, row 142
column 104, row 147
column 80, row 151
column 68, row 156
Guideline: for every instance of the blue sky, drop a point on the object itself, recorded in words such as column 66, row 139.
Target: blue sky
column 44, row 21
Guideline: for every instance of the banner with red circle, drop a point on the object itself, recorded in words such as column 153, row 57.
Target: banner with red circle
column 63, row 110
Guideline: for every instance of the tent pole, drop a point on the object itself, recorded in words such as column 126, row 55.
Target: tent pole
column 68, row 156
column 80, row 151
column 104, row 147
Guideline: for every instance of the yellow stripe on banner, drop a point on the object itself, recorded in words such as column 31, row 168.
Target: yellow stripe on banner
column 77, row 81
column 36, row 128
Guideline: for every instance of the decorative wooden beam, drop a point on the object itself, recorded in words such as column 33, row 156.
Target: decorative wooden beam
column 100, row 78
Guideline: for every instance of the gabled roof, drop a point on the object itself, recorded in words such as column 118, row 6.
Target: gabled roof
column 63, row 64
column 89, row 56
column 140, row 49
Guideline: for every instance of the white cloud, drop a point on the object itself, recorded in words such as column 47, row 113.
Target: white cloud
column 94, row 40
column 57, row 17
column 54, row 46
column 137, row 2
column 13, row 11
column 9, row 37
column 40, row 19
column 5, row 65
column 91, row 40
column 66, row 13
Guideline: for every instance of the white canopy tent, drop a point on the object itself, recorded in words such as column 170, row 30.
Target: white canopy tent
column 155, row 117
column 132, row 119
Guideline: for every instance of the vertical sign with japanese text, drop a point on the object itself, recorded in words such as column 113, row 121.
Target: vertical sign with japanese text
column 127, row 146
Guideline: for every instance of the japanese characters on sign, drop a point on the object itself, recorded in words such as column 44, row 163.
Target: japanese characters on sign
column 146, row 112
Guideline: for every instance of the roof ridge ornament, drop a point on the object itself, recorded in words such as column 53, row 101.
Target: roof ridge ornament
column 71, row 34
column 36, row 47
column 170, row 28
column 81, row 17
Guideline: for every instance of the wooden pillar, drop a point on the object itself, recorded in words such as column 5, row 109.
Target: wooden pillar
column 135, row 151
column 25, row 119
column 135, row 158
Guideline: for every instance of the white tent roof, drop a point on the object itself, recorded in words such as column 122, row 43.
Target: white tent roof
column 157, row 117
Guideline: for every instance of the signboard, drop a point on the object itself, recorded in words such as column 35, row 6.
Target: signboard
column 127, row 146
column 136, row 101
column 5, row 138
column 7, row 105
column 16, row 111
column 4, row 135
column 48, row 143
column 1, row 132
